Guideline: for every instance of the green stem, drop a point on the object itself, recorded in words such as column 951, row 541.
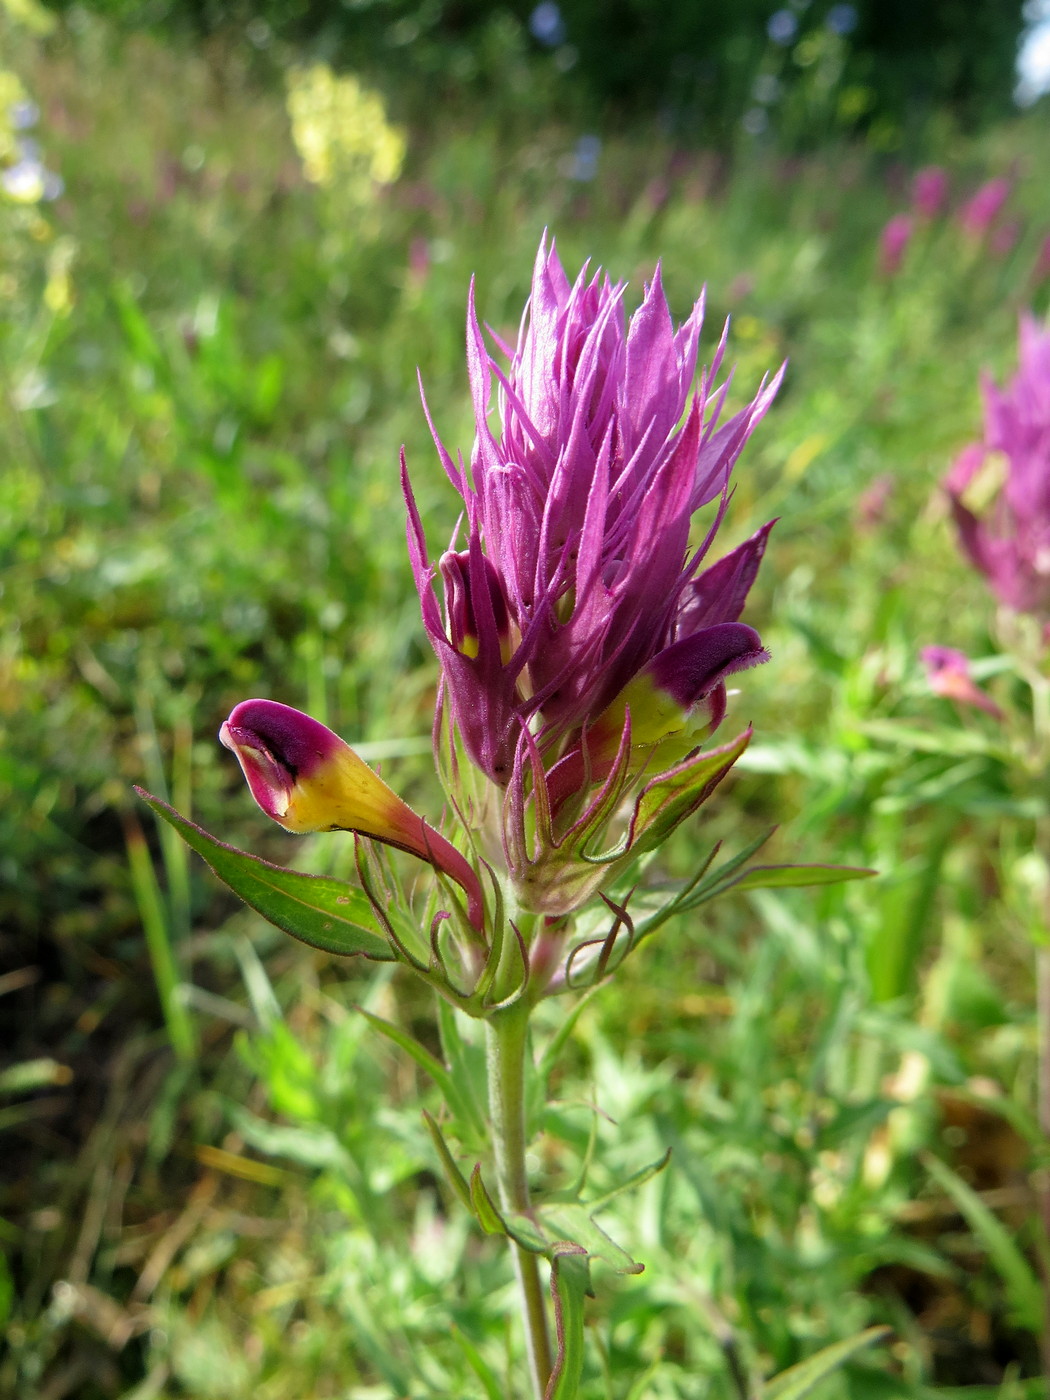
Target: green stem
column 507, row 1039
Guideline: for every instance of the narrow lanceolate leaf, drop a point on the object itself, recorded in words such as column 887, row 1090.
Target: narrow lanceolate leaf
column 1022, row 1286
column 632, row 1183
column 768, row 877
column 428, row 1063
column 455, row 1177
column 800, row 1380
column 570, row 1284
column 484, row 1207
column 490, row 1382
column 326, row 914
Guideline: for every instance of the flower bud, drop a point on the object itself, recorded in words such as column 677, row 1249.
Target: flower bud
column 470, row 621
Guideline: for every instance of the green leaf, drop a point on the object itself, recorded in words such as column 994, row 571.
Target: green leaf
column 956, row 743
column 669, row 799
column 638, row 1179
column 456, row 1179
column 490, row 1382
column 573, row 1221
column 768, row 877
column 524, row 1231
column 697, row 888
column 799, row 1380
column 27, row 1075
column 561, row 1036
column 1022, row 1286
column 466, row 1064
column 428, row 1063
column 7, row 1289
column 326, row 914
column 484, row 1207
column 570, row 1284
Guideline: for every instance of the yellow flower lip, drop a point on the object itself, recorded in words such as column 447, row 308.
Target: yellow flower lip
column 306, row 778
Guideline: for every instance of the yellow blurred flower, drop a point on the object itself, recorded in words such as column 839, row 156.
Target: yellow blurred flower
column 341, row 132
column 58, row 290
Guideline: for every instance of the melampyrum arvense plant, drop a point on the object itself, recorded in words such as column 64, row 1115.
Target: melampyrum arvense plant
column 584, row 638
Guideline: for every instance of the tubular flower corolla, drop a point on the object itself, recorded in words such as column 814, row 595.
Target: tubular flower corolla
column 307, row 779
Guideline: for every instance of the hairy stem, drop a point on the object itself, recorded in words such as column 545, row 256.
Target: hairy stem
column 507, row 1034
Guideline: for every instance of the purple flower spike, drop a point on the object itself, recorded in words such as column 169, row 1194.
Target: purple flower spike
column 582, row 505
column 1010, row 543
column 579, row 588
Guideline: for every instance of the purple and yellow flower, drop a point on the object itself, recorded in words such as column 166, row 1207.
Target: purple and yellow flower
column 584, row 645
column 1009, row 541
column 307, row 779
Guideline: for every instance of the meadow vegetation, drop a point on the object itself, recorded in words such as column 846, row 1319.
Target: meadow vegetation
column 217, row 1181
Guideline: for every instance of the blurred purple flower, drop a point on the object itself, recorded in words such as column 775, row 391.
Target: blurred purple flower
column 893, row 243
column 872, row 503
column 419, row 259
column 1004, row 238
column 948, row 674
column 1010, row 544
column 929, row 191
column 982, row 209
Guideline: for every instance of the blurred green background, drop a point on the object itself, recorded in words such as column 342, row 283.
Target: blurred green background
column 228, row 238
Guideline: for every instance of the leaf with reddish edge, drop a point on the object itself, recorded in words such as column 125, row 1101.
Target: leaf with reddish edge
column 672, row 796
column 570, row 1284
column 326, row 914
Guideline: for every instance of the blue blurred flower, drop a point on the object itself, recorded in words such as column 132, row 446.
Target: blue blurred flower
column 584, row 161
column 842, row 19
column 24, row 115
column 546, row 24
column 782, row 27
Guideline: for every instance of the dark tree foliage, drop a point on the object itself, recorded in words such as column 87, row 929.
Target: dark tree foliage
column 913, row 55
column 691, row 64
